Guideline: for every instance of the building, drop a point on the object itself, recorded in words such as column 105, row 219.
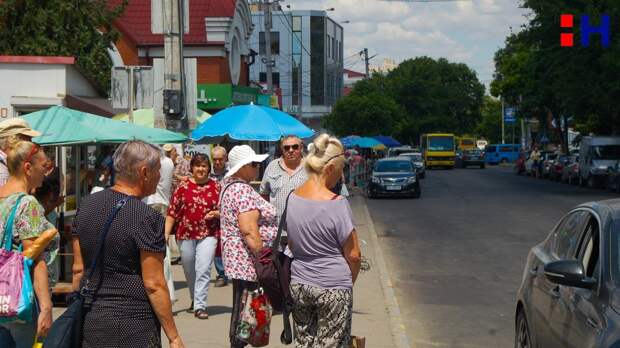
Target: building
column 41, row 82
column 307, row 49
column 388, row 65
column 216, row 50
column 350, row 77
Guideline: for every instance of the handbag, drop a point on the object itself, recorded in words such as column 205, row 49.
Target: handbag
column 255, row 318
column 66, row 331
column 16, row 290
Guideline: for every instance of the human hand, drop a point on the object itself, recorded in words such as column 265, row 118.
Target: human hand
column 44, row 322
column 176, row 343
column 214, row 214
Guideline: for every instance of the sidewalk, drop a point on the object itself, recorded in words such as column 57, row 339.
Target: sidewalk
column 370, row 313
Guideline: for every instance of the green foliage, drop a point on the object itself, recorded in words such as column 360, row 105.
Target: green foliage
column 421, row 95
column 79, row 28
column 490, row 126
column 534, row 71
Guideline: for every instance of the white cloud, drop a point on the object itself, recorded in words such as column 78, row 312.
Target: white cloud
column 461, row 31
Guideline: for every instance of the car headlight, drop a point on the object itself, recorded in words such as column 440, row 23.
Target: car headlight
column 411, row 180
column 375, row 180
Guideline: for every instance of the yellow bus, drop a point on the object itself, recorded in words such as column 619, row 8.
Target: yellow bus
column 438, row 149
column 466, row 143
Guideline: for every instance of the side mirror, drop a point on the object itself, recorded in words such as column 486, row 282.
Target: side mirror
column 569, row 273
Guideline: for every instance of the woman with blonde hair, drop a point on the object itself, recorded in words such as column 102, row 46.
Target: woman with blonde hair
column 26, row 163
column 327, row 257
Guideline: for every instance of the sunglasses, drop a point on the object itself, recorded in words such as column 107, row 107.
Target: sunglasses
column 295, row 147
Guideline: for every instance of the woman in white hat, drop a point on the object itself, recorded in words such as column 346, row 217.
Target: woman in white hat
column 248, row 222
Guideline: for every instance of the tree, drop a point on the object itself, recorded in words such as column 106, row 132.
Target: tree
column 369, row 114
column 490, row 126
column 79, row 28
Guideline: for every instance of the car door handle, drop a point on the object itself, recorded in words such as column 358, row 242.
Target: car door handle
column 533, row 271
column 592, row 323
column 555, row 292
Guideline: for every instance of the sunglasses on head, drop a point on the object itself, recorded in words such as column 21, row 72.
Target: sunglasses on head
column 289, row 147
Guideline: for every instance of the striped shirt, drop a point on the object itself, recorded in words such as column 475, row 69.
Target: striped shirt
column 4, row 170
column 277, row 183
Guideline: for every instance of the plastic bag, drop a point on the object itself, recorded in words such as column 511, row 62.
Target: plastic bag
column 255, row 318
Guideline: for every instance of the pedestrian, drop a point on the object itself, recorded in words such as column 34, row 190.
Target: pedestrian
column 26, row 163
column 159, row 201
column 182, row 170
column 284, row 174
column 535, row 156
column 326, row 251
column 248, row 223
column 12, row 130
column 194, row 207
column 220, row 158
column 132, row 303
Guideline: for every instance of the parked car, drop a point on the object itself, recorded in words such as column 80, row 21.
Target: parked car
column 418, row 162
column 501, row 153
column 458, row 159
column 596, row 156
column 570, row 289
column 613, row 182
column 396, row 151
column 473, row 158
column 393, row 176
column 570, row 172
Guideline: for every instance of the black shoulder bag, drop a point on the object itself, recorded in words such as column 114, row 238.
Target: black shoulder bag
column 273, row 270
column 66, row 331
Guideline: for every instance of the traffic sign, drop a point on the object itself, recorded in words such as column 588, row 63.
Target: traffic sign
column 510, row 115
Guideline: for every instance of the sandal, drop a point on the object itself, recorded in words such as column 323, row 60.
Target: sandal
column 201, row 314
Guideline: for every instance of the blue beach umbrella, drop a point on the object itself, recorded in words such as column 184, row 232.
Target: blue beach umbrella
column 387, row 140
column 251, row 122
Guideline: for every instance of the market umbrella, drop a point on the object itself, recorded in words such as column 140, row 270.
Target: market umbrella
column 251, row 122
column 387, row 140
column 370, row 143
column 141, row 117
column 349, row 141
column 64, row 126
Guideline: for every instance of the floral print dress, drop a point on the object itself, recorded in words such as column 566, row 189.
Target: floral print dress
column 190, row 205
column 236, row 199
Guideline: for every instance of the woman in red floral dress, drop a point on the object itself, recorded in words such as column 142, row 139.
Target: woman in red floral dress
column 194, row 207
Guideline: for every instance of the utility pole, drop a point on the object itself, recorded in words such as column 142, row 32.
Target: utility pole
column 268, row 63
column 366, row 62
column 174, row 84
column 502, row 118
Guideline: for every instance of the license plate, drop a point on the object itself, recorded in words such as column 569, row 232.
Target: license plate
column 474, row 158
column 393, row 187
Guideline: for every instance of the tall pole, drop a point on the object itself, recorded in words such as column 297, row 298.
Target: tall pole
column 173, row 59
column 131, row 93
column 267, row 10
column 502, row 118
column 366, row 62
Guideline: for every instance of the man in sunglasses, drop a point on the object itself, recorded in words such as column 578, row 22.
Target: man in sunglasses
column 284, row 174
column 13, row 129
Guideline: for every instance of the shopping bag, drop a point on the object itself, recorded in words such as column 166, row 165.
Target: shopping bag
column 255, row 318
column 16, row 291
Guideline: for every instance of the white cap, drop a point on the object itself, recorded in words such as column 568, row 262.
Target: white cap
column 241, row 155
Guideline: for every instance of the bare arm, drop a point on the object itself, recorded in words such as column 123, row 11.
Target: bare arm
column 78, row 264
column 352, row 253
column 168, row 227
column 155, row 284
column 42, row 291
column 248, row 225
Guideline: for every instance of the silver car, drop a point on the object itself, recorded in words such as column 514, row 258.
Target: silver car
column 418, row 162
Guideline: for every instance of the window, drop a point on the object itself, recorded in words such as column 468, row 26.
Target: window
column 490, row 149
column 275, row 42
column 333, row 48
column 296, row 23
column 329, row 47
column 566, row 235
column 588, row 252
column 275, row 78
column 317, row 60
column 505, row 149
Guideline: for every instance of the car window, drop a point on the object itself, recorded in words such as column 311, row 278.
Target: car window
column 588, row 252
column 393, row 166
column 566, row 235
column 490, row 149
column 505, row 149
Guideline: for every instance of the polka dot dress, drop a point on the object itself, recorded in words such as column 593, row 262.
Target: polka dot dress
column 121, row 315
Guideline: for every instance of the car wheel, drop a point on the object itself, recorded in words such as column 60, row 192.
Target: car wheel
column 591, row 182
column 369, row 193
column 423, row 175
column 482, row 166
column 522, row 333
column 503, row 161
column 417, row 192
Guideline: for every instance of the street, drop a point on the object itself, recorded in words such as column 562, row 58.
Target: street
column 456, row 255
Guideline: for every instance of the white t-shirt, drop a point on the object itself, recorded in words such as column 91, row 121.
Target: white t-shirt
column 164, row 187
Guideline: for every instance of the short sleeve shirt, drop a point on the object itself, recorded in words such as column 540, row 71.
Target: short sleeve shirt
column 317, row 231
column 190, row 205
column 277, row 183
column 29, row 223
column 236, row 199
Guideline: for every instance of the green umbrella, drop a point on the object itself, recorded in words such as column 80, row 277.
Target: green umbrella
column 63, row 126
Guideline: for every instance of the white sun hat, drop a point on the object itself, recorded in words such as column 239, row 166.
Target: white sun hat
column 241, row 155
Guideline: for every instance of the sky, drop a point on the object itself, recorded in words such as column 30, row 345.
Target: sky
column 462, row 31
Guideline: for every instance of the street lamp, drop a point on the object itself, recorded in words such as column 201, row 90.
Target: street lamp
column 330, row 9
column 345, row 22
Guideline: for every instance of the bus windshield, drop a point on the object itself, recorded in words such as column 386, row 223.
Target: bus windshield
column 441, row 143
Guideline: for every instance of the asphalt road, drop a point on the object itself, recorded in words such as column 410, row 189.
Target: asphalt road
column 456, row 255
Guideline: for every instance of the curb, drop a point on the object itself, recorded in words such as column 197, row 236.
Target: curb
column 401, row 340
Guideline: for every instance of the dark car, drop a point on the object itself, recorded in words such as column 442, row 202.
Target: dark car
column 570, row 290
column 472, row 158
column 613, row 180
column 393, row 176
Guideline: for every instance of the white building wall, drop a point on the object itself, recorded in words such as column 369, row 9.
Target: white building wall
column 77, row 85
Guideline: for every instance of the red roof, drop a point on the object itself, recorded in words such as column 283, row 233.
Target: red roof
column 346, row 91
column 135, row 22
column 37, row 60
column 352, row 73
